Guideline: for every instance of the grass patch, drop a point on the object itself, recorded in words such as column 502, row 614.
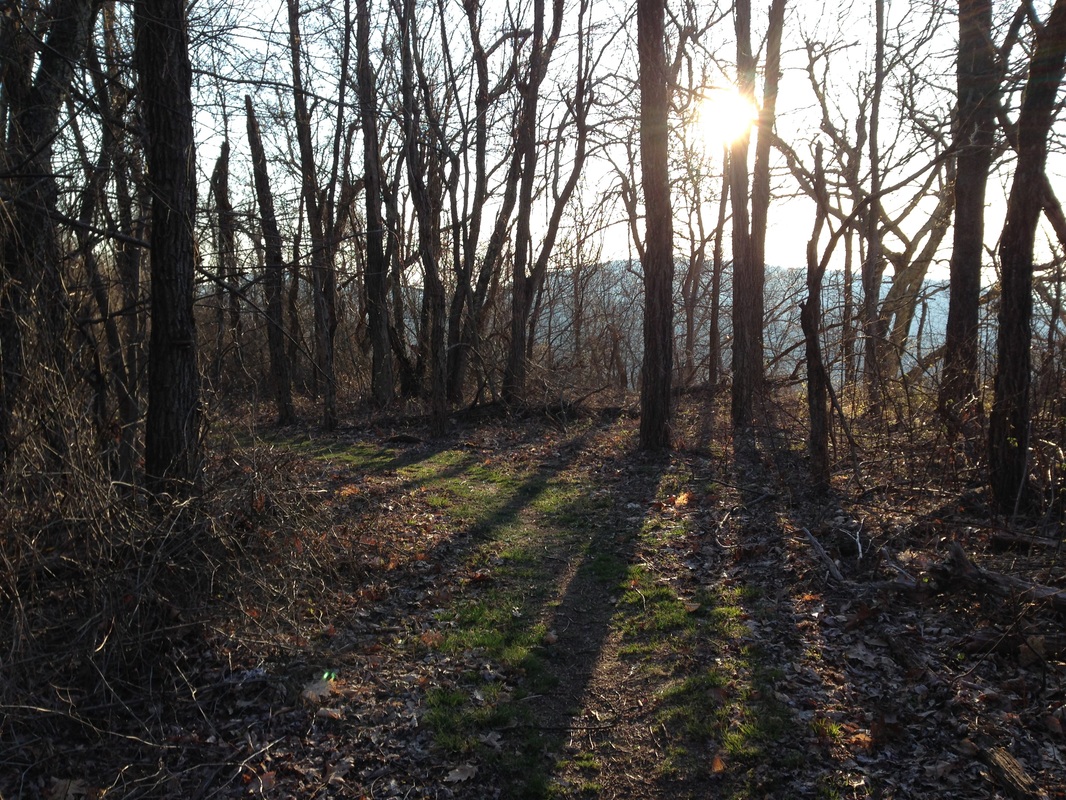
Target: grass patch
column 521, row 522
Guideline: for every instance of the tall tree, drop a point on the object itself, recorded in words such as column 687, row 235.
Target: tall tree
column 375, row 277
column 749, row 223
column 30, row 103
column 810, row 319
column 873, row 267
column 658, row 256
column 1008, row 430
column 421, row 170
column 323, row 276
column 524, row 285
column 975, row 123
column 273, row 280
column 172, row 433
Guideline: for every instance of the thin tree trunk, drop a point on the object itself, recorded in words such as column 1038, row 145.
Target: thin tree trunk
column 274, row 269
column 322, row 278
column 873, row 267
column 810, row 321
column 747, row 301
column 229, row 324
column 377, row 268
column 714, row 354
column 426, row 205
column 1008, row 434
column 31, row 263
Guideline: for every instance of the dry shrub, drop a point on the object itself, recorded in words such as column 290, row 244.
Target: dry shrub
column 103, row 590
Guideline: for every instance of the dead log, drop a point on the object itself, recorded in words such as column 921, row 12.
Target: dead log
column 1012, row 540
column 1011, row 776
column 961, row 568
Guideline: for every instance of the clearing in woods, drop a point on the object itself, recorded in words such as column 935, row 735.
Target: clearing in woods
column 531, row 609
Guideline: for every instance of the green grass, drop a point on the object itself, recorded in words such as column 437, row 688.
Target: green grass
column 520, row 524
column 523, row 527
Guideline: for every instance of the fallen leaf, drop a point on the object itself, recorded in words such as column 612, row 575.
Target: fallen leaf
column 1052, row 723
column 317, row 691
column 551, row 637
column 691, row 607
column 682, row 500
column 329, row 713
column 463, row 773
column 432, row 638
column 492, row 739
column 717, row 764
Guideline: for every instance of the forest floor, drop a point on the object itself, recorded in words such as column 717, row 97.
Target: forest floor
column 530, row 608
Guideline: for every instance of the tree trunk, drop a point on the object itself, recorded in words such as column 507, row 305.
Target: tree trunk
column 228, row 334
column 746, row 361
column 810, row 321
column 1008, row 434
column 172, row 433
column 273, row 279
column 421, row 166
column 714, row 354
column 522, row 288
column 658, row 259
column 31, row 264
column 323, row 280
column 377, row 268
column 873, row 267
column 974, row 139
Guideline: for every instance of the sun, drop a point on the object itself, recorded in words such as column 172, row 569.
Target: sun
column 723, row 116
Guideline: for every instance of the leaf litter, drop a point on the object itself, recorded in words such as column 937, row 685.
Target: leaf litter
column 904, row 680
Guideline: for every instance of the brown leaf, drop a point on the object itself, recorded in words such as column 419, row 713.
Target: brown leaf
column 717, row 764
column 432, row 638
column 317, row 691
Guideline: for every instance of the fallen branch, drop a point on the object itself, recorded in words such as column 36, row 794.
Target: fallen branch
column 834, row 570
column 1004, row 585
column 1008, row 540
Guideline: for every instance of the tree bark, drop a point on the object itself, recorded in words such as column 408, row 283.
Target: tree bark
column 810, row 321
column 273, row 279
column 172, row 433
column 228, row 325
column 974, row 139
column 658, row 257
column 1008, row 434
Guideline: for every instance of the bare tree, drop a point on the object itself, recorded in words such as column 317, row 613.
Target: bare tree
column 810, row 320
column 31, row 102
column 377, row 270
column 1008, row 434
column 323, row 275
column 749, row 224
column 273, row 272
column 974, row 140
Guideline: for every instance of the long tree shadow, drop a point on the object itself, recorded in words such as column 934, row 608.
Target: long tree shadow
column 462, row 664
